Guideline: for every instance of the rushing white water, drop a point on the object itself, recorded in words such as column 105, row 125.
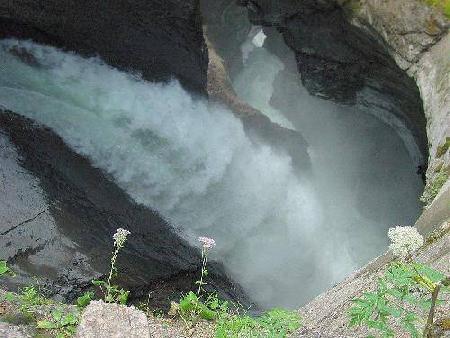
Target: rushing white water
column 256, row 86
column 364, row 161
column 194, row 164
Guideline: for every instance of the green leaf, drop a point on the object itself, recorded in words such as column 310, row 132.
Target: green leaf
column 395, row 312
column 85, row 299
column 206, row 313
column 189, row 302
column 98, row 282
column 123, row 297
column 69, row 319
column 57, row 315
column 432, row 274
column 10, row 297
column 46, row 325
column 408, row 324
column 3, row 268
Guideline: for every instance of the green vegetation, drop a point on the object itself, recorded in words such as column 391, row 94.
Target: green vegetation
column 403, row 285
column 56, row 319
column 442, row 148
column 432, row 188
column 62, row 321
column 112, row 293
column 85, row 299
column 406, row 289
column 231, row 320
column 437, row 234
column 5, row 270
column 29, row 298
column 192, row 308
column 444, row 5
column 35, row 308
column 274, row 323
column 352, row 6
column 63, row 324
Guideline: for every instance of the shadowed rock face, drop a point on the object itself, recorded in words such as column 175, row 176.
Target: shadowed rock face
column 336, row 59
column 60, row 214
column 159, row 38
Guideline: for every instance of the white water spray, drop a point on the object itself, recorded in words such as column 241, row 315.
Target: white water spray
column 194, row 164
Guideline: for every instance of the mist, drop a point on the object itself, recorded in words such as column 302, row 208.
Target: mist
column 283, row 235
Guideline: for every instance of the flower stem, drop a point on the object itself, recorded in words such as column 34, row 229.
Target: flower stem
column 111, row 272
column 427, row 332
column 204, row 262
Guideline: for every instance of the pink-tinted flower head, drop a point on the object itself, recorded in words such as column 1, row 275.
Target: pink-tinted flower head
column 207, row 242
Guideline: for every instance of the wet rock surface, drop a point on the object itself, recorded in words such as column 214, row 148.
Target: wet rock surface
column 257, row 126
column 60, row 214
column 417, row 37
column 226, row 28
column 160, row 39
column 339, row 60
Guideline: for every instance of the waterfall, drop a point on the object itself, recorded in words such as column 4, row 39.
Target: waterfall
column 192, row 162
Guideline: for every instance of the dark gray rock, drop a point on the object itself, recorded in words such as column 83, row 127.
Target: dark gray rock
column 227, row 26
column 60, row 214
column 340, row 61
column 159, row 38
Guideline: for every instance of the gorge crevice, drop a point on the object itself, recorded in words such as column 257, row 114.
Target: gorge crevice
column 336, row 59
column 268, row 174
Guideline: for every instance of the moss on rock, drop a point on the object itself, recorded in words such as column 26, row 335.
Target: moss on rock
column 434, row 186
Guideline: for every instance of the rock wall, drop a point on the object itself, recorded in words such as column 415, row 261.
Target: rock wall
column 60, row 213
column 400, row 50
column 418, row 38
column 381, row 54
column 341, row 61
column 160, row 38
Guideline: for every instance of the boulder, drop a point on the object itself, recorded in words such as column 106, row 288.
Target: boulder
column 14, row 331
column 107, row 320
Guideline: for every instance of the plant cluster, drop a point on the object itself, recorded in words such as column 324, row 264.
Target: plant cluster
column 64, row 324
column 432, row 188
column 403, row 288
column 406, row 289
column 113, row 293
column 230, row 320
column 443, row 5
column 233, row 322
column 442, row 148
column 58, row 321
column 30, row 303
column 273, row 323
column 5, row 270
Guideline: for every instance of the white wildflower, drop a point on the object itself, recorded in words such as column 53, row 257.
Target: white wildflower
column 207, row 242
column 120, row 237
column 404, row 240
